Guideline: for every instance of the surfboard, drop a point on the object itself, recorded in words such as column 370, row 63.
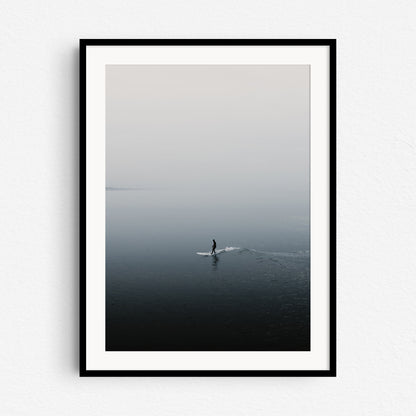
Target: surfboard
column 218, row 251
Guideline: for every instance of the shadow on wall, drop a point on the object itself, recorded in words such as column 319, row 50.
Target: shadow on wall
column 75, row 190
column 67, row 155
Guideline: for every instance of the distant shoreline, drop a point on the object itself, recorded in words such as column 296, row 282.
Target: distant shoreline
column 110, row 188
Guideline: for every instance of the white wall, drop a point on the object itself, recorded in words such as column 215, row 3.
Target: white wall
column 376, row 200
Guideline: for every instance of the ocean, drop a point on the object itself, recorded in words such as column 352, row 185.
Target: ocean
column 254, row 295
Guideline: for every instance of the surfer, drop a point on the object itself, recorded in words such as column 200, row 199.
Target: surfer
column 214, row 246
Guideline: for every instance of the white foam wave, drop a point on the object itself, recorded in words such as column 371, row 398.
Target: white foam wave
column 301, row 253
column 219, row 251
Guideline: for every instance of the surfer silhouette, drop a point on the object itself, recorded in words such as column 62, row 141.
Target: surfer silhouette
column 214, row 246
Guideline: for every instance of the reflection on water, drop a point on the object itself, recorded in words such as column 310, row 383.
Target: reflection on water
column 161, row 295
column 215, row 261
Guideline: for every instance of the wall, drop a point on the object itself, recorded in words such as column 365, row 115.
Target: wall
column 376, row 200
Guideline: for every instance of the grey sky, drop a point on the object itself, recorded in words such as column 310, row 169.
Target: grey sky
column 222, row 128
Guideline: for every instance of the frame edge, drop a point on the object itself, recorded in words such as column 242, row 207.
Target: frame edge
column 331, row 372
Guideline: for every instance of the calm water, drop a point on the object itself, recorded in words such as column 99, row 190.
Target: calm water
column 161, row 295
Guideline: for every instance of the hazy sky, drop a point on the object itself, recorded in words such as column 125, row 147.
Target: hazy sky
column 221, row 128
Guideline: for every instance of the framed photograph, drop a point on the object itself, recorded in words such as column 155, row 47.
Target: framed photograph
column 207, row 207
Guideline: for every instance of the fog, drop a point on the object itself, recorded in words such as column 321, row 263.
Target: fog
column 232, row 133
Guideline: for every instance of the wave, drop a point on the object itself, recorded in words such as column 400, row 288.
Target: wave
column 219, row 251
column 302, row 253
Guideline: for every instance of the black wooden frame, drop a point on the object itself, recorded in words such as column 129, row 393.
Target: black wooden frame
column 331, row 43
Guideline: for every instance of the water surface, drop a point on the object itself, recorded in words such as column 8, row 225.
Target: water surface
column 161, row 295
